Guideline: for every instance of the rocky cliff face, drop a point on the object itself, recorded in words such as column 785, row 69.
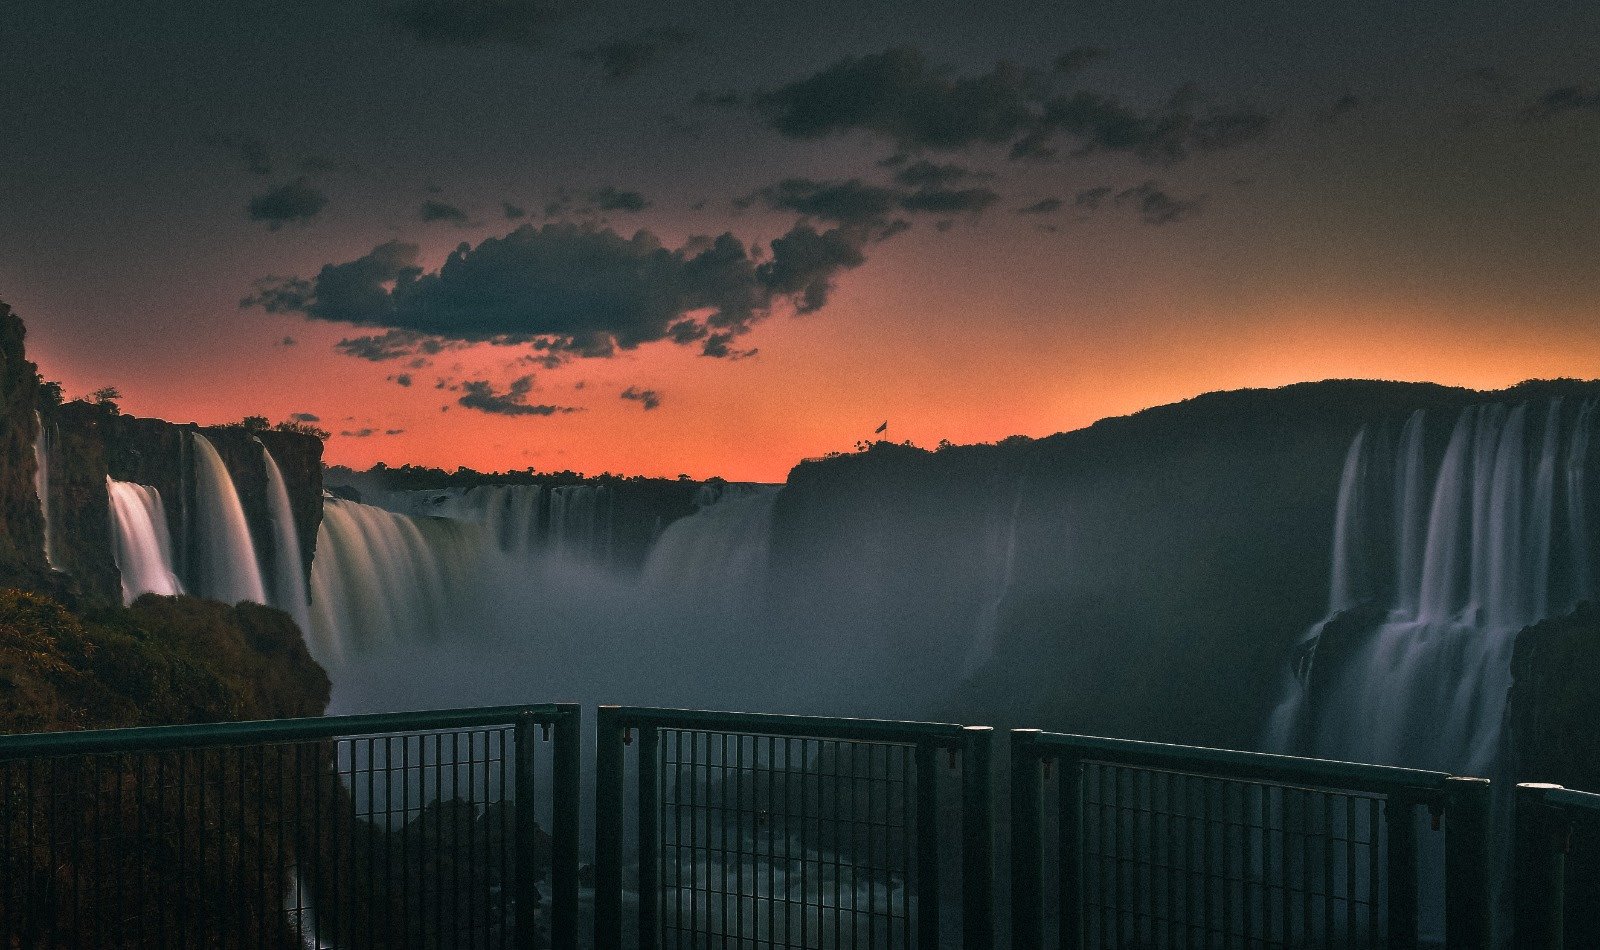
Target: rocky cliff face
column 1162, row 566
column 90, row 442
column 22, row 562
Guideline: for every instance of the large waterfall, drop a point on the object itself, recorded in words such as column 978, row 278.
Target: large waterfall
column 143, row 545
column 41, row 481
column 385, row 578
column 288, row 579
column 1480, row 531
column 224, row 566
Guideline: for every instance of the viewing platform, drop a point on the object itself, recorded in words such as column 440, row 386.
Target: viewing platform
column 540, row 826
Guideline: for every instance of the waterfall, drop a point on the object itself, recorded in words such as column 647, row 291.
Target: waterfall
column 715, row 560
column 225, row 566
column 142, row 546
column 1483, row 559
column 1000, row 563
column 382, row 577
column 288, row 584
column 509, row 512
column 41, row 481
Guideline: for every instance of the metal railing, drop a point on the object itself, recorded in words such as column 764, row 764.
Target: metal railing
column 1548, row 817
column 420, row 829
column 768, row 831
column 1164, row 845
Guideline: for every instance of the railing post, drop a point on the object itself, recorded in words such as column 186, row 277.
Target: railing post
column 1539, row 908
column 927, row 846
column 1027, row 852
column 566, row 822
column 1467, row 898
column 977, row 839
column 1400, row 818
column 608, row 772
column 649, row 841
column 1069, row 849
column 526, row 895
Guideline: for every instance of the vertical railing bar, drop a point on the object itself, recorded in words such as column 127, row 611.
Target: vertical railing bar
column 927, row 847
column 1376, row 926
column 1468, row 896
column 1350, row 869
column 694, row 837
column 977, row 833
column 649, row 839
column 772, row 839
column 608, row 829
column 1400, row 816
column 1539, row 870
column 566, row 819
column 525, row 836
column 788, row 845
column 1069, row 852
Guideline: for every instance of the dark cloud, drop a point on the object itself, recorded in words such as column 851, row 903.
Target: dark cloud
column 441, row 211
column 479, row 394
column 305, row 417
column 568, row 289
column 1563, row 99
column 648, row 398
column 1092, row 122
column 358, row 433
column 295, row 201
column 926, row 174
column 1155, row 206
column 467, row 22
column 393, row 431
column 620, row 58
column 512, row 212
column 1042, row 206
column 614, row 199
column 898, row 94
column 853, row 202
column 1074, row 61
column 867, row 207
column 403, row 379
column 287, row 341
column 949, row 200
column 1092, row 198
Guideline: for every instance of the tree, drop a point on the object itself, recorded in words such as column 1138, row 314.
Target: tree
column 106, row 396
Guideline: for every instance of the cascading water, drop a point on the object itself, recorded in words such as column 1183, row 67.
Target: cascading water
column 142, row 545
column 1501, row 541
column 224, row 566
column 510, row 512
column 716, row 561
column 288, row 583
column 1000, row 550
column 382, row 578
column 41, row 481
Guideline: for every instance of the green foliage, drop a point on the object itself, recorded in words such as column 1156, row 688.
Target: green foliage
column 303, row 428
column 163, row 660
column 50, row 394
column 106, row 397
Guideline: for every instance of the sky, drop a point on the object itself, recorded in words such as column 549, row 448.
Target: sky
column 717, row 238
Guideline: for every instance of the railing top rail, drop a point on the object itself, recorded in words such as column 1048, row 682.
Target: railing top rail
column 150, row 738
column 1573, row 799
column 775, row 724
column 1423, row 785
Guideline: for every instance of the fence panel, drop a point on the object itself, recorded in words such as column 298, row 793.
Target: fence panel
column 1557, row 868
column 355, row 832
column 1172, row 846
column 787, row 831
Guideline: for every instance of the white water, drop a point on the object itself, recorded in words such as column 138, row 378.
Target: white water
column 288, row 579
column 142, row 545
column 381, row 578
column 41, row 481
column 1477, row 560
column 224, row 566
